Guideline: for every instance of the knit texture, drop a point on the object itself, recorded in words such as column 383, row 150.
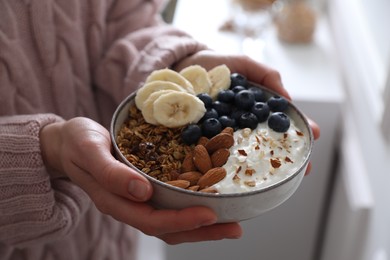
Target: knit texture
column 60, row 59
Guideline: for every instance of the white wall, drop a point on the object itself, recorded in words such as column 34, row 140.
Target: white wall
column 355, row 42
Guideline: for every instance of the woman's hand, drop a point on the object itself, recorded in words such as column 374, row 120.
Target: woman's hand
column 244, row 65
column 80, row 149
column 254, row 71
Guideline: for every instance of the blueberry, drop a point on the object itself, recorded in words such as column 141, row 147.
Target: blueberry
column 211, row 127
column 259, row 94
column 206, row 99
column 244, row 99
column 248, row 120
column 238, row 88
column 226, row 96
column 191, row 134
column 227, row 121
column 238, row 79
column 236, row 114
column 279, row 122
column 210, row 113
column 277, row 104
column 261, row 111
column 222, row 108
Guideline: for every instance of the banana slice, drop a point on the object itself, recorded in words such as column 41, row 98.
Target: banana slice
column 147, row 110
column 198, row 77
column 145, row 91
column 171, row 76
column 177, row 109
column 220, row 79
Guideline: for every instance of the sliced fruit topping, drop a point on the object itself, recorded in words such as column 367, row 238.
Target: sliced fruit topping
column 198, row 77
column 220, row 79
column 154, row 86
column 176, row 109
column 171, row 76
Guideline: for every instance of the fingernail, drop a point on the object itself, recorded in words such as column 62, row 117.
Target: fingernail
column 208, row 222
column 138, row 189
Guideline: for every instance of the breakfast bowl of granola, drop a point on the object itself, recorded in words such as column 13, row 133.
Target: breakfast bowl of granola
column 213, row 138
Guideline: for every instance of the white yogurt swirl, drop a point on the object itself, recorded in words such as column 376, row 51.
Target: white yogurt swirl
column 262, row 157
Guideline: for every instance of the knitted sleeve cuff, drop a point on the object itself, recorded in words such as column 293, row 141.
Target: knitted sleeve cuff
column 33, row 207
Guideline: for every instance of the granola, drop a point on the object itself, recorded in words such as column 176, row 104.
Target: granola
column 155, row 150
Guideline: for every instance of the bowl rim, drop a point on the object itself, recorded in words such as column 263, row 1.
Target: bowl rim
column 216, row 195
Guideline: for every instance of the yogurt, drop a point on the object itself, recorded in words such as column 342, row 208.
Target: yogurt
column 262, row 157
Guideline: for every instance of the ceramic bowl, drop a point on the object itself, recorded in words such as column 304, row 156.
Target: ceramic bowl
column 228, row 207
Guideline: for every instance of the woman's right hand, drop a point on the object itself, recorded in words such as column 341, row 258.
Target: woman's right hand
column 80, row 149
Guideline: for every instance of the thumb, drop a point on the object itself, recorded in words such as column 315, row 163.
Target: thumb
column 123, row 180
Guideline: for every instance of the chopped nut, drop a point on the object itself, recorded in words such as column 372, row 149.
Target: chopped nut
column 246, row 132
column 242, row 152
column 236, row 178
column 275, row 163
column 250, row 183
column 249, row 171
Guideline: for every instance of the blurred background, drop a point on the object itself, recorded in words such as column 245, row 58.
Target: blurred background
column 333, row 57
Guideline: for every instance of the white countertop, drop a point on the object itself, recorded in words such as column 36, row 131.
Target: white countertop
column 309, row 72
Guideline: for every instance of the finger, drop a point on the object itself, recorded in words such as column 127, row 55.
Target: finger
column 207, row 233
column 315, row 128
column 164, row 221
column 308, row 169
column 135, row 214
column 120, row 179
column 265, row 76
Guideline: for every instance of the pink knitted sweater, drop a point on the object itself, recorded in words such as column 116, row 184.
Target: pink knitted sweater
column 60, row 59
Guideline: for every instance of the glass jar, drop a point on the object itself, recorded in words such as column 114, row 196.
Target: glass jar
column 295, row 21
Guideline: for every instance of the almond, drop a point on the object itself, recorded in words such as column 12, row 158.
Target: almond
column 220, row 157
column 202, row 159
column 221, row 140
column 211, row 177
column 203, row 140
column 193, row 177
column 179, row 183
column 193, row 188
column 209, row 190
column 228, row 130
column 188, row 164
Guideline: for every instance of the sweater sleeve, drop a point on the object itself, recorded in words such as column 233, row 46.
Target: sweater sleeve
column 139, row 42
column 33, row 207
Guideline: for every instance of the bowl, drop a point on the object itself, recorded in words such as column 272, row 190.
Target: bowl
column 232, row 207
